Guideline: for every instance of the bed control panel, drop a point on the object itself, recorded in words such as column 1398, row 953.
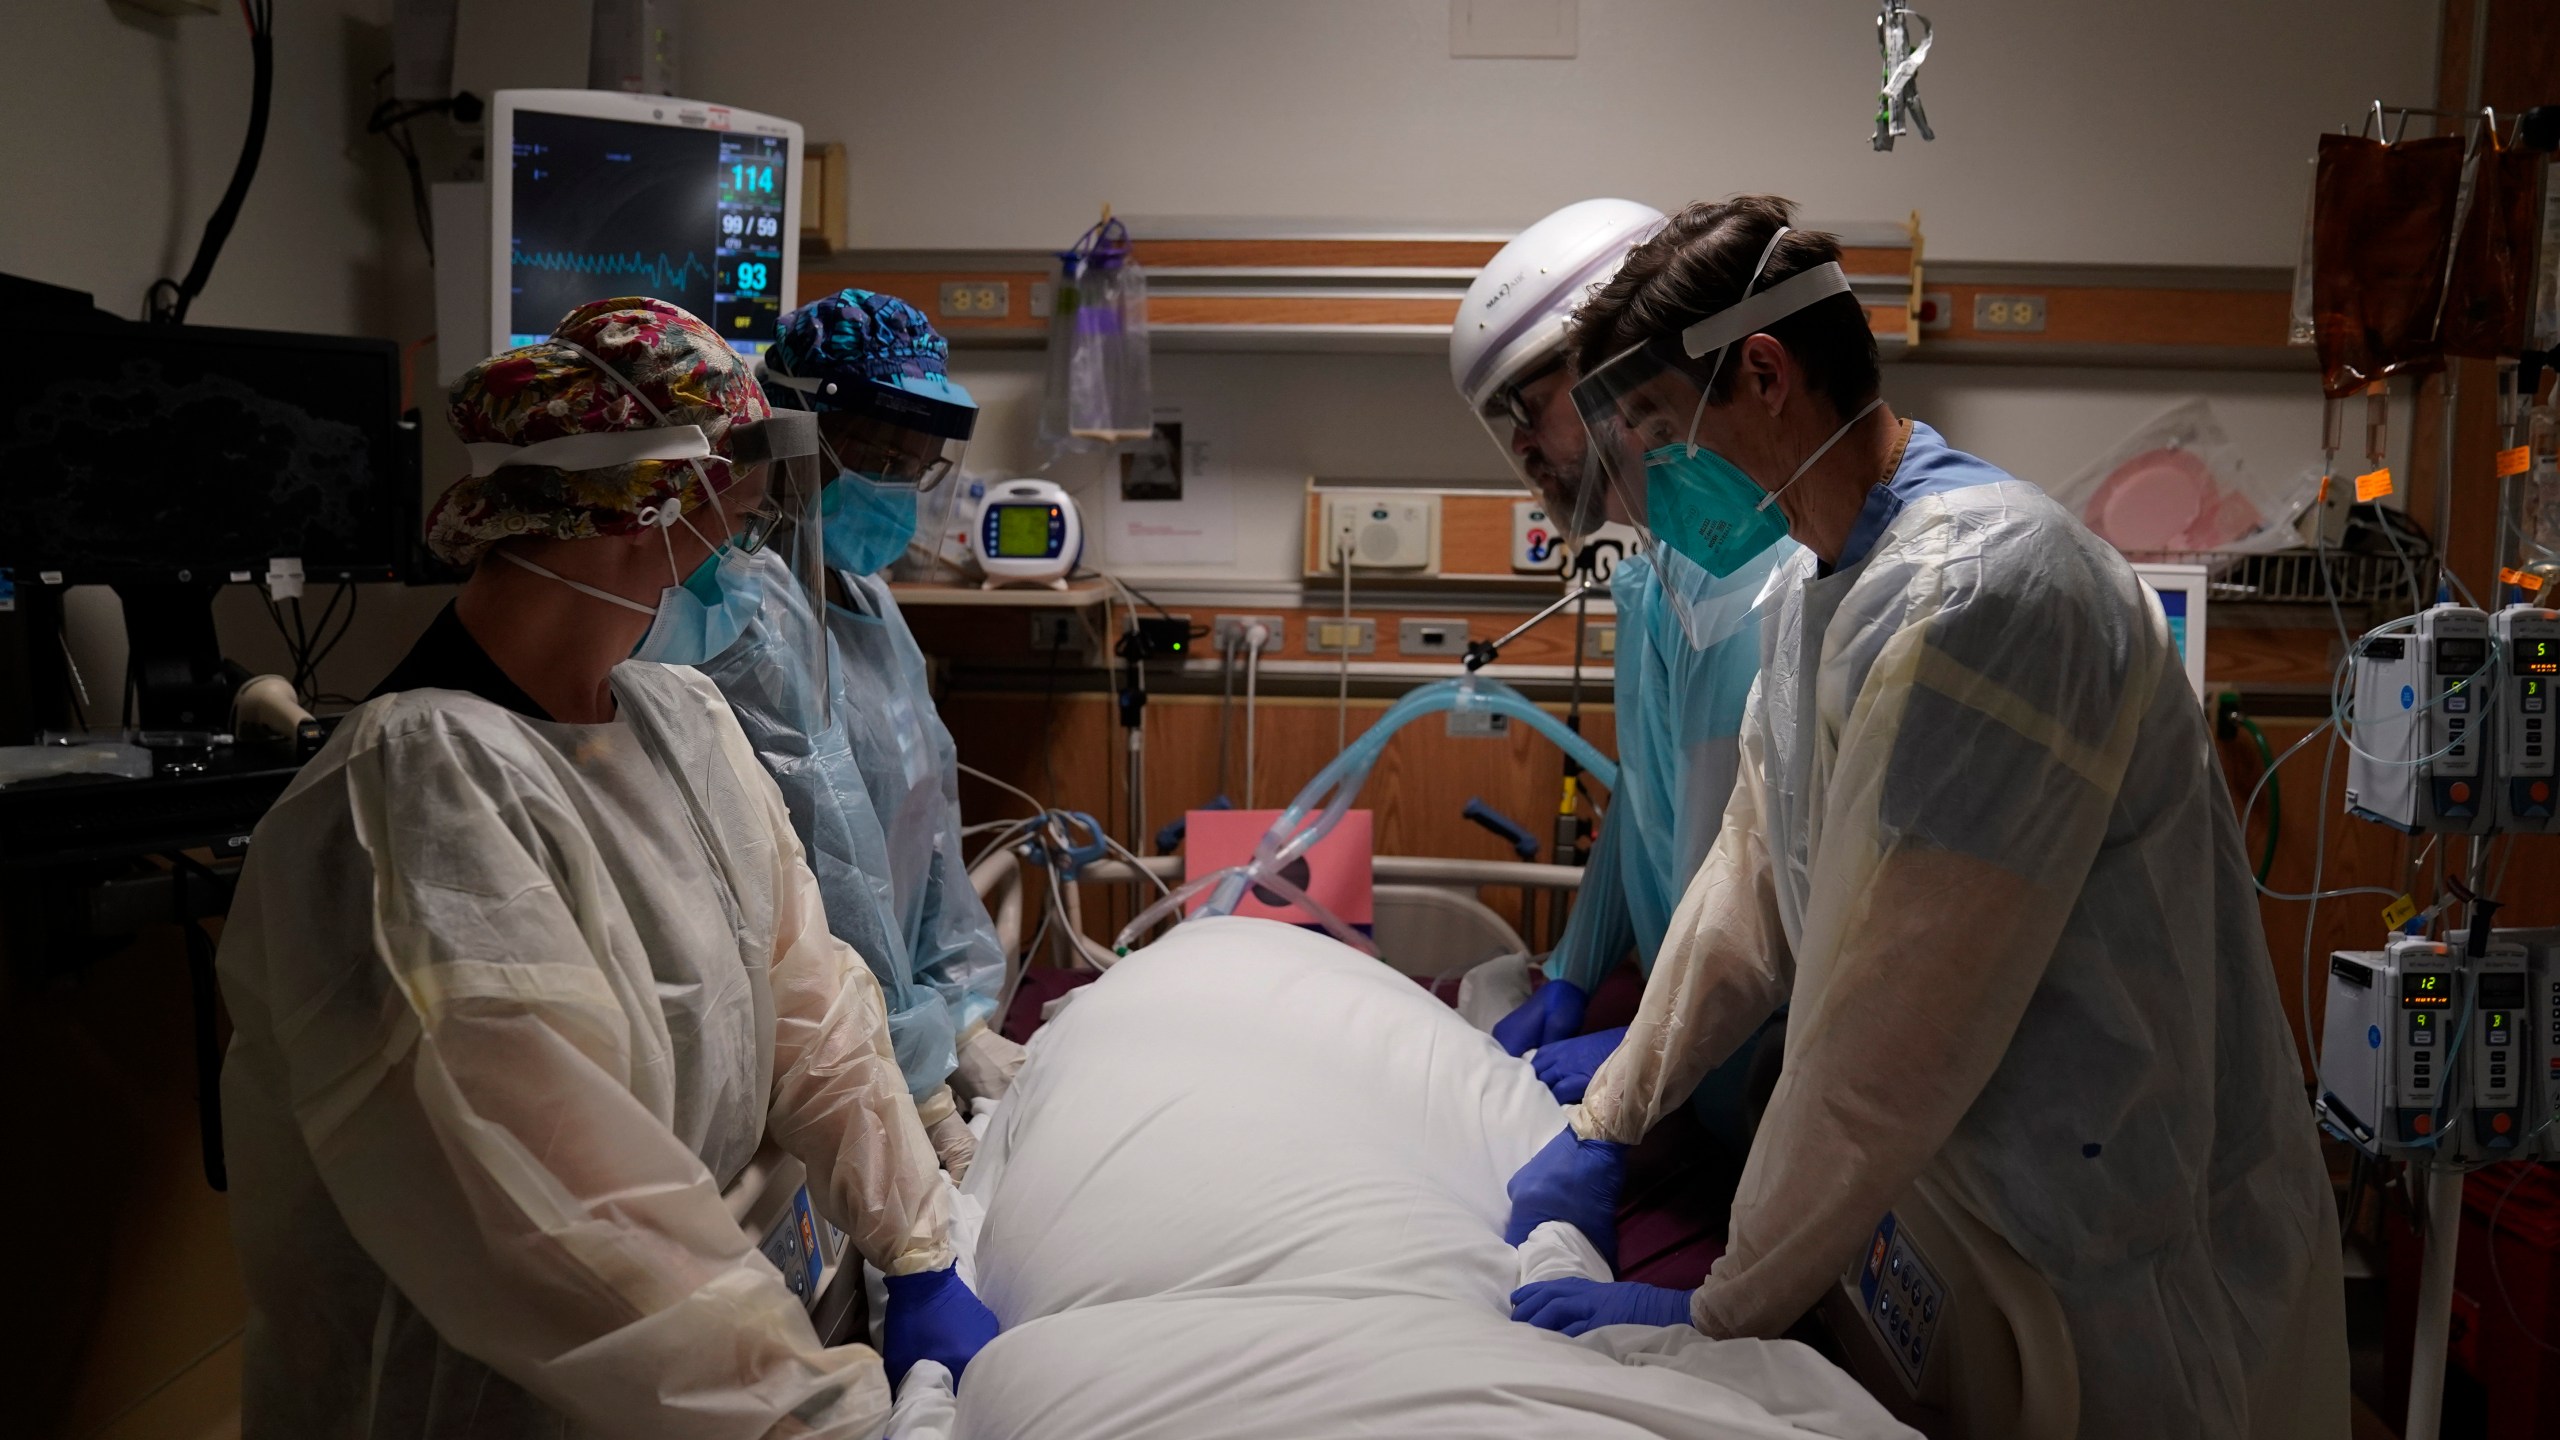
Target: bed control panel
column 1904, row 1299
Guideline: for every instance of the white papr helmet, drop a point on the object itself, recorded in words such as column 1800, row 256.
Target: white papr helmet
column 1514, row 314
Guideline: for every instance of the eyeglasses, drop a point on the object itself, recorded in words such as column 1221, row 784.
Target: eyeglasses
column 758, row 525
column 887, row 465
column 1510, row 402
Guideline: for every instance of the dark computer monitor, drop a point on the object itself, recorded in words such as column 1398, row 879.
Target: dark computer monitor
column 170, row 460
column 149, row 454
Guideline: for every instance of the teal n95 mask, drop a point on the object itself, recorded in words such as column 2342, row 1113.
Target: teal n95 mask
column 1643, row 407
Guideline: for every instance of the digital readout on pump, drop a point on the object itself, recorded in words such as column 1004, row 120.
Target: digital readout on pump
column 2461, row 657
column 2537, row 657
column 2426, row 990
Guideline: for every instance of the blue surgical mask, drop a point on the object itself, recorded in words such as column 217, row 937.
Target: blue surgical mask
column 694, row 619
column 703, row 616
column 866, row 524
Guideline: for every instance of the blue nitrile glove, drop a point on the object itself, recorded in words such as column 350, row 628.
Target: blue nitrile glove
column 1575, row 1305
column 1566, row 1066
column 934, row 1316
column 1573, row 1180
column 1552, row 1012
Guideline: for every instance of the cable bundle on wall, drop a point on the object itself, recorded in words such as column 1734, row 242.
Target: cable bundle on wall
column 167, row 301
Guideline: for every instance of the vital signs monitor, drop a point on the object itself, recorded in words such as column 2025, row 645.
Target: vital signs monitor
column 596, row 193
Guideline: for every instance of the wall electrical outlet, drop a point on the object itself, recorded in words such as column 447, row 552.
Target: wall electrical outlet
column 976, row 299
column 1053, row 632
column 1603, row 641
column 2013, row 314
column 1357, row 636
column 1226, row 633
column 1431, row 637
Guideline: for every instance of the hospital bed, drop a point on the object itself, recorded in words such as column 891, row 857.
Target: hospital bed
column 1941, row 1320
column 1251, row 1184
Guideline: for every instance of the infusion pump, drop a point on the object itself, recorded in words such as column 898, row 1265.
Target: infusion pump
column 2528, row 780
column 2455, row 725
column 2415, row 763
column 2430, row 1052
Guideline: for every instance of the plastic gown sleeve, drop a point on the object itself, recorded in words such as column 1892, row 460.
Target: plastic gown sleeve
column 481, row 1130
column 1599, row 932
column 1974, row 778
column 1723, row 969
column 840, row 1101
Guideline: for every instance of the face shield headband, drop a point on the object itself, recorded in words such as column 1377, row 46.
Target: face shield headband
column 1642, row 410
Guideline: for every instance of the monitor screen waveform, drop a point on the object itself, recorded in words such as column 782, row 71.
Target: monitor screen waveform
column 604, row 208
column 656, row 274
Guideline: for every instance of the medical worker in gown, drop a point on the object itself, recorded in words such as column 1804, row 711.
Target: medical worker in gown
column 1981, row 843
column 525, row 965
column 1688, row 646
column 832, row 692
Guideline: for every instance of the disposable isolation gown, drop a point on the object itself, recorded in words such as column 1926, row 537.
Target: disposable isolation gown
column 514, row 1001
column 1688, row 648
column 1980, row 839
column 872, row 782
column 912, row 770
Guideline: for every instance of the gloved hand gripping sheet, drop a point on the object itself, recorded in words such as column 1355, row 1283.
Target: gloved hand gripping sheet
column 1252, row 1184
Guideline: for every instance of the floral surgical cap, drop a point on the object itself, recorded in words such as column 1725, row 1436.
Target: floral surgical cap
column 552, row 388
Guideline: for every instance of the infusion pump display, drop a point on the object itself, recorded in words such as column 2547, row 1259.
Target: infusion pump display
column 2426, row 990
column 605, row 207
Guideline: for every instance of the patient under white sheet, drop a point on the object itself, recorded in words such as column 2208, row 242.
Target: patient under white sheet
column 1251, row 1184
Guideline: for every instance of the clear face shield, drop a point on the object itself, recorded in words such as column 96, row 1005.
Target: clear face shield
column 1533, row 422
column 891, row 487
column 773, row 511
column 892, row 460
column 1642, row 410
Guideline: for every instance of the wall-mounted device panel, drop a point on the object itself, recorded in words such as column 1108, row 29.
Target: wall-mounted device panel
column 1537, row 542
column 1424, row 636
column 1384, row 531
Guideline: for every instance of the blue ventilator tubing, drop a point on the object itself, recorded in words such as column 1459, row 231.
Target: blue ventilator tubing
column 1333, row 789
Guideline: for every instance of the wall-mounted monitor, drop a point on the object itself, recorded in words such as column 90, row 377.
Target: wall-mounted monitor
column 596, row 193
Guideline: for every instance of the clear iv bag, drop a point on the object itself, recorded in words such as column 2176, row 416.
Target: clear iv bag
column 1100, row 389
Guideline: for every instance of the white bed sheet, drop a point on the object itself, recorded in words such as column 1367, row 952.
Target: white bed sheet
column 1251, row 1184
